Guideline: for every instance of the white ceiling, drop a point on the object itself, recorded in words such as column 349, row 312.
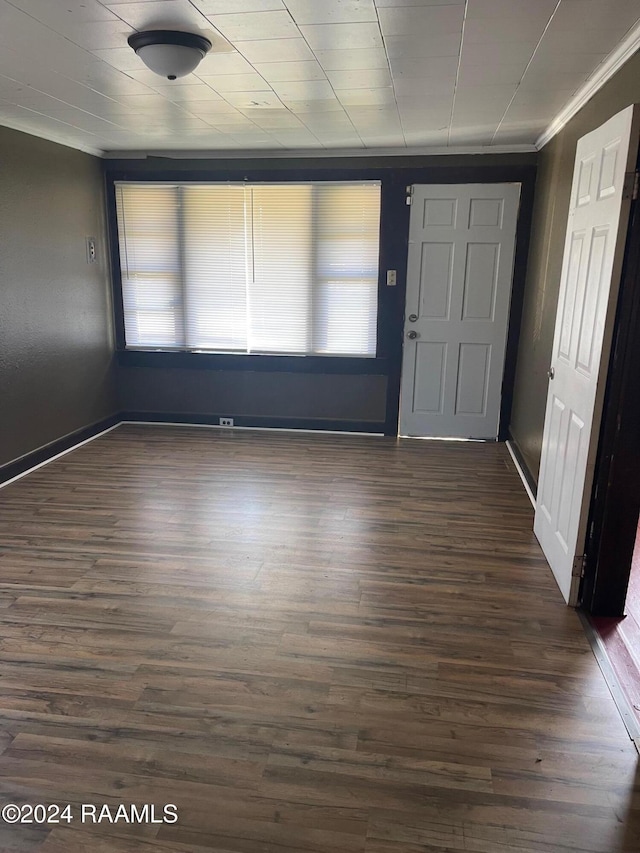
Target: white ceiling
column 305, row 74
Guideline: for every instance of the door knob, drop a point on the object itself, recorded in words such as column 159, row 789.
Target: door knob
column 551, row 373
column 412, row 318
column 412, row 335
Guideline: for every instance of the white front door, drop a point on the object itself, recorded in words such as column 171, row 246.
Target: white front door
column 459, row 275
column 593, row 251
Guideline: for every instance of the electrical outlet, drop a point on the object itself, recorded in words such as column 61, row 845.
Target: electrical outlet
column 92, row 252
column 226, row 421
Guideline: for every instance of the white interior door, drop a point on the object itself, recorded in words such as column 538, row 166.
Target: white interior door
column 593, row 251
column 459, row 277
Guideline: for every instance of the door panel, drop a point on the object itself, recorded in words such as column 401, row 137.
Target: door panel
column 594, row 245
column 474, row 365
column 460, row 266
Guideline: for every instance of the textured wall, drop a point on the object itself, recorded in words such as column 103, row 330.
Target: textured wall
column 56, row 350
column 555, row 170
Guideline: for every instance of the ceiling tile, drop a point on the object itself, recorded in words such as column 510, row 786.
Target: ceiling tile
column 426, row 120
column 122, row 58
column 369, row 79
column 382, row 141
column 498, row 30
column 365, row 97
column 565, row 62
column 596, row 15
column 475, row 135
column 524, row 11
column 224, row 63
column 275, row 72
column 544, row 78
column 275, row 50
column 246, row 100
column 431, row 138
column 510, row 52
column 339, row 140
column 296, row 138
column 304, row 90
column 518, row 134
column 473, row 95
column 223, row 7
column 208, row 109
column 425, row 67
column 336, row 121
column 557, row 41
column 159, row 14
column 192, row 92
column 270, row 119
column 256, row 26
column 237, row 83
column 344, row 60
column 342, row 36
column 78, row 11
column 98, row 35
column 480, row 114
column 418, row 45
column 401, row 20
column 519, row 111
column 331, row 11
column 490, row 75
column 316, row 107
column 426, row 90
column 382, row 4
column 555, row 99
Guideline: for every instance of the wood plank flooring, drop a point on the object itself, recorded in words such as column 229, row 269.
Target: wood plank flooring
column 307, row 643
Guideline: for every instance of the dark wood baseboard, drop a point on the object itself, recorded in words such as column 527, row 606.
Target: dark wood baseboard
column 48, row 451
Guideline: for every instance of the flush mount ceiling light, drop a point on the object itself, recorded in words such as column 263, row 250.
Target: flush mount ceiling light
column 170, row 53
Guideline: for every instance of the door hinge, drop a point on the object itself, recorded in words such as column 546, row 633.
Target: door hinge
column 579, row 565
column 630, row 185
column 410, row 195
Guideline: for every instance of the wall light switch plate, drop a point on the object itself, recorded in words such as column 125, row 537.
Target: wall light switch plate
column 392, row 278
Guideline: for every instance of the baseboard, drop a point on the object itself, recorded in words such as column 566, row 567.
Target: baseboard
column 12, row 470
column 42, row 455
column 526, row 476
column 622, row 703
column 250, row 422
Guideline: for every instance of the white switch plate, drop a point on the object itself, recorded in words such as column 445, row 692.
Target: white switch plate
column 391, row 278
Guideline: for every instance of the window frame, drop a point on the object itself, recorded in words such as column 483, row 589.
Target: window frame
column 216, row 360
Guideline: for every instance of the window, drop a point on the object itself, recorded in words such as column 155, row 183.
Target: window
column 250, row 268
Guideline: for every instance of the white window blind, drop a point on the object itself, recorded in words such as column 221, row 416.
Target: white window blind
column 260, row 268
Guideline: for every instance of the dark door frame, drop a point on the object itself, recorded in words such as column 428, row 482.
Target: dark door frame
column 616, row 498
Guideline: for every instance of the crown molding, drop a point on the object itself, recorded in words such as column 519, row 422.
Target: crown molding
column 616, row 59
column 316, row 153
column 52, row 137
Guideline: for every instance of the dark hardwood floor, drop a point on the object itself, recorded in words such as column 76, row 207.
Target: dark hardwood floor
column 306, row 643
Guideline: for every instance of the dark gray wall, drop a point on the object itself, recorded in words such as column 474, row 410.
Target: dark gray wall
column 242, row 393
column 555, row 170
column 348, row 397
column 56, row 350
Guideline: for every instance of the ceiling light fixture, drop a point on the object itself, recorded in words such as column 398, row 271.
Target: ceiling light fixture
column 170, row 53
